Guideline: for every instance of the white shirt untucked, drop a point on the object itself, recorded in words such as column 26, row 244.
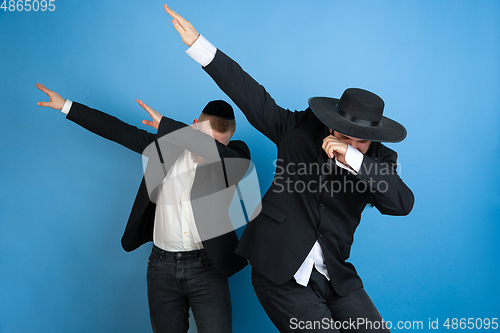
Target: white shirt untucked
column 174, row 228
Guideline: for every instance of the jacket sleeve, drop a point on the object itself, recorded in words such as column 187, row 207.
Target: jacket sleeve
column 110, row 128
column 230, row 162
column 389, row 193
column 253, row 100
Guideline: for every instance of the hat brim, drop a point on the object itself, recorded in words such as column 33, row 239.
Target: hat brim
column 387, row 129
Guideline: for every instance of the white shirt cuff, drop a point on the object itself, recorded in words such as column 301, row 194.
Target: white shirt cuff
column 67, row 106
column 202, row 51
column 354, row 158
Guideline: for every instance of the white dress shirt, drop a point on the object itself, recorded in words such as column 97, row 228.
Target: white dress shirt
column 174, row 226
column 175, row 229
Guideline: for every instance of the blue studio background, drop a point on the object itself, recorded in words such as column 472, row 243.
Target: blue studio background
column 66, row 193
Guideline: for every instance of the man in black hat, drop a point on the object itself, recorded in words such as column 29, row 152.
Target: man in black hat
column 330, row 165
column 182, row 206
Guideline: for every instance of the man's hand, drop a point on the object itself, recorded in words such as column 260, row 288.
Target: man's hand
column 56, row 101
column 188, row 33
column 155, row 115
column 335, row 148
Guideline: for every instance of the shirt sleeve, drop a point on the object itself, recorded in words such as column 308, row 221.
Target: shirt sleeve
column 202, row 51
column 354, row 158
column 67, row 107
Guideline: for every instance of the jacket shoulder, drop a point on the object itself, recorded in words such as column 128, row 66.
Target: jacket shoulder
column 241, row 147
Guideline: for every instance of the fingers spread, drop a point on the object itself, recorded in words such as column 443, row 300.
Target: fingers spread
column 152, row 113
column 150, row 123
column 42, row 87
column 141, row 103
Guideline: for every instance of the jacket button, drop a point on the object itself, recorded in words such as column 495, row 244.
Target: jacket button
column 319, row 234
column 322, row 206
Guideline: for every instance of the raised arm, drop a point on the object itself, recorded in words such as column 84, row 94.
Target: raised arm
column 251, row 98
column 188, row 33
column 180, row 134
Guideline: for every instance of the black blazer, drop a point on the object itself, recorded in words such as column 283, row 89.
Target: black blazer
column 310, row 199
column 209, row 178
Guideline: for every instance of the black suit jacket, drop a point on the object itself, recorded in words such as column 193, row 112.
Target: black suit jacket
column 310, row 199
column 209, row 178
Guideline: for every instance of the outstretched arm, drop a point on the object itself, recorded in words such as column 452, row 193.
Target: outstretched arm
column 251, row 98
column 102, row 124
column 57, row 103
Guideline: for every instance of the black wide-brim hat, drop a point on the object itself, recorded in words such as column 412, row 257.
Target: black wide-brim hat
column 358, row 113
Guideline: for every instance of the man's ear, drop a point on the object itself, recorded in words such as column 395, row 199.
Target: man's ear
column 194, row 123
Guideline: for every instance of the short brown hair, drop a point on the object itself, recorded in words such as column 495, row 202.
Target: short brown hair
column 218, row 124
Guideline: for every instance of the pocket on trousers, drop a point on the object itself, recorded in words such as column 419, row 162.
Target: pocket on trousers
column 205, row 261
column 153, row 262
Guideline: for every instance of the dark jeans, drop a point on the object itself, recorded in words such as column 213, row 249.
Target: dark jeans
column 316, row 308
column 179, row 280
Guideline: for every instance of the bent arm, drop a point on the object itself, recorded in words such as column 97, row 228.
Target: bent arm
column 179, row 134
column 390, row 194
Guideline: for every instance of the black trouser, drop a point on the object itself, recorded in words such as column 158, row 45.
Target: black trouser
column 179, row 280
column 316, row 308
